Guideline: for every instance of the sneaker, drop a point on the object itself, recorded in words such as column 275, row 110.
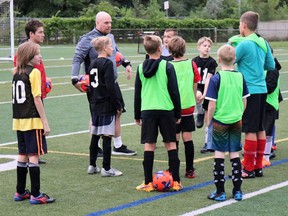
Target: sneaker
column 21, row 197
column 41, row 199
column 110, row 173
column 265, row 163
column 238, row 195
column 274, row 147
column 190, row 174
column 247, row 174
column 123, row 150
column 40, row 161
column 146, row 187
column 199, row 120
column 204, row 149
column 217, row 197
column 100, row 153
column 272, row 154
column 258, row 172
column 177, row 186
column 93, row 170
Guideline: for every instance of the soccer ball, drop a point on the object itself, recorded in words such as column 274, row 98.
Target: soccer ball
column 48, row 85
column 162, row 181
column 85, row 82
column 119, row 58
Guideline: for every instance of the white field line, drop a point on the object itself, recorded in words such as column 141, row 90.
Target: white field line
column 232, row 201
column 63, row 135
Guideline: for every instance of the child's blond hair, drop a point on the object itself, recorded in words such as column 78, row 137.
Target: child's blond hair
column 100, row 43
column 152, row 43
column 203, row 39
column 227, row 55
column 25, row 54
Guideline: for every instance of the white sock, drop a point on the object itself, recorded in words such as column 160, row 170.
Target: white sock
column 206, row 134
column 199, row 108
column 268, row 147
column 117, row 142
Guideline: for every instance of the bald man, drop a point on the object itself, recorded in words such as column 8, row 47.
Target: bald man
column 85, row 53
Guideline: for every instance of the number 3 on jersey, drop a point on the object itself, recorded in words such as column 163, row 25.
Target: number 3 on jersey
column 95, row 82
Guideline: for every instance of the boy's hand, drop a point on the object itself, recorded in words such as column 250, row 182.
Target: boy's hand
column 128, row 71
column 178, row 121
column 78, row 86
column 138, row 122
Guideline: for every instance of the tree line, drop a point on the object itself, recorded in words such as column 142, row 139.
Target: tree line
column 151, row 9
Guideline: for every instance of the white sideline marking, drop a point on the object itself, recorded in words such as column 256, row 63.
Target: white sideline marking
column 65, row 134
column 231, row 201
column 9, row 165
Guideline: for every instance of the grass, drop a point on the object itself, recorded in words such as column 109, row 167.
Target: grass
column 64, row 176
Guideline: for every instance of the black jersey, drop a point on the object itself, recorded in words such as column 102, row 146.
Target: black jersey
column 205, row 66
column 103, row 95
column 22, row 98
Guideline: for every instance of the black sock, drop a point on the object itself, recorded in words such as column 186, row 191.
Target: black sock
column 236, row 174
column 189, row 155
column 34, row 171
column 148, row 165
column 219, row 179
column 174, row 164
column 93, row 150
column 106, row 152
column 22, row 171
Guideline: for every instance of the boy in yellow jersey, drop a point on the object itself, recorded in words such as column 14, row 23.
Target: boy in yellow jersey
column 187, row 78
column 30, row 122
column 227, row 93
column 156, row 107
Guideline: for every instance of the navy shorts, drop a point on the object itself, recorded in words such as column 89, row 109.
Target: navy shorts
column 32, row 142
column 187, row 124
column 226, row 137
column 150, row 127
column 253, row 117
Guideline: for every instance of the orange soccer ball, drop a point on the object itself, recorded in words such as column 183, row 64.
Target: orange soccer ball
column 163, row 181
column 119, row 58
column 85, row 82
column 48, row 85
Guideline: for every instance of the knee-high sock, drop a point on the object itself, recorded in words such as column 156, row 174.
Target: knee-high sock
column 22, row 171
column 189, row 155
column 260, row 153
column 268, row 147
column 236, row 174
column 250, row 148
column 219, row 179
column 34, row 171
column 93, row 150
column 106, row 152
column 174, row 164
column 148, row 166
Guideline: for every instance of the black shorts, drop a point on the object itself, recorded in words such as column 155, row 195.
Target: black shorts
column 150, row 126
column 269, row 121
column 253, row 117
column 187, row 124
column 32, row 142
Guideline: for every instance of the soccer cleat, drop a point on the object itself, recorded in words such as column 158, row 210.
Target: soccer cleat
column 40, row 161
column 190, row 174
column 247, row 174
column 217, row 197
column 93, row 170
column 110, row 173
column 265, row 163
column 258, row 172
column 41, row 199
column 238, row 195
column 272, row 154
column 21, row 197
column 204, row 149
column 199, row 120
column 177, row 186
column 274, row 147
column 146, row 187
column 123, row 150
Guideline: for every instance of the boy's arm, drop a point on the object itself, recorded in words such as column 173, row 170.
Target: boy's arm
column 212, row 95
column 269, row 60
column 211, row 111
column 207, row 80
column 41, row 111
column 137, row 97
column 197, row 78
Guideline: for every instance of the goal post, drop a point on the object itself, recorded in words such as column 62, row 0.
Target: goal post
column 7, row 30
